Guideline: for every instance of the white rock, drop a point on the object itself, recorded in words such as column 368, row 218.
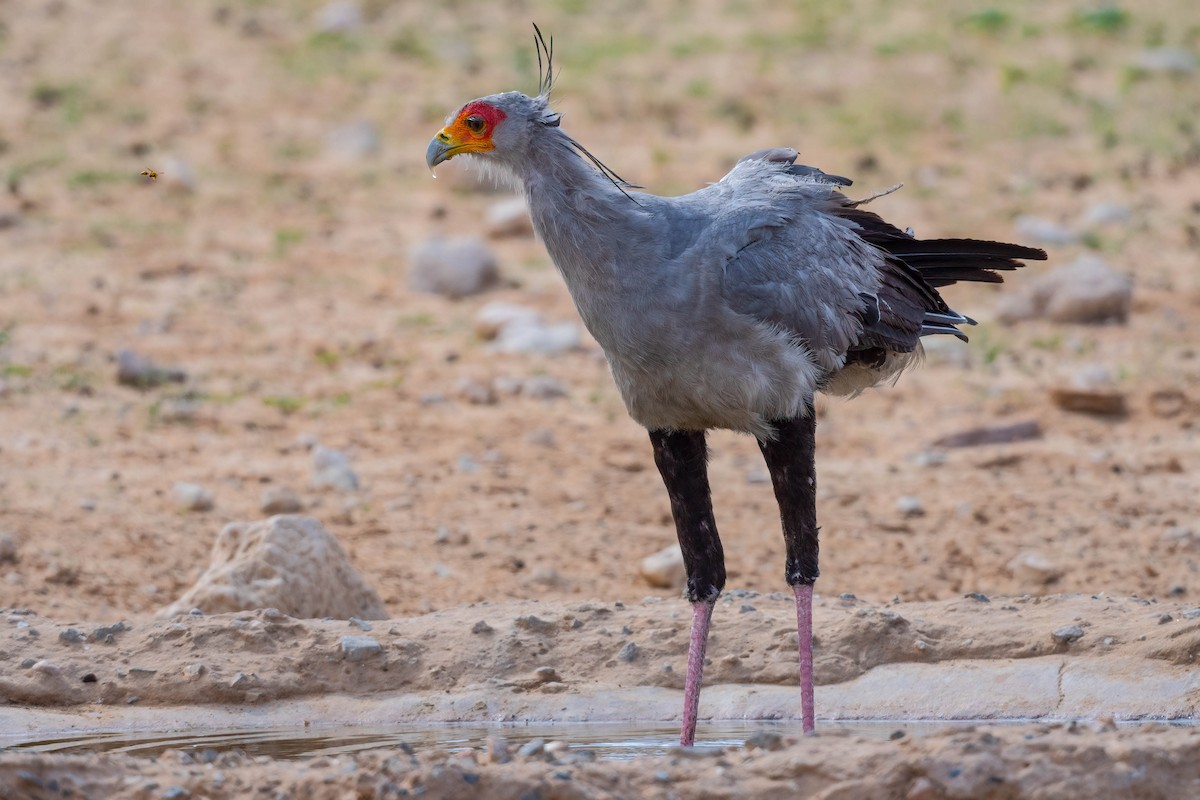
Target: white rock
column 331, row 468
column 509, row 218
column 8, row 548
column 910, row 506
column 453, row 267
column 1105, row 214
column 192, row 497
column 280, row 500
column 1168, row 59
column 354, row 141
column 341, row 16
column 289, row 563
column 1034, row 569
column 543, row 387
column 1087, row 290
column 516, row 329
column 665, row 569
column 1043, row 231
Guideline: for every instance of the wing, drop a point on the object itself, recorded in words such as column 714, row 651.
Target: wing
column 841, row 279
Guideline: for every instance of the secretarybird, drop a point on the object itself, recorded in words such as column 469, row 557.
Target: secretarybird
column 726, row 308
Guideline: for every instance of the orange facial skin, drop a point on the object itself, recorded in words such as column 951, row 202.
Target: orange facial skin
column 470, row 132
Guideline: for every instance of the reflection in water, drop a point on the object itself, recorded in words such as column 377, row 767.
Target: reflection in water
column 612, row 741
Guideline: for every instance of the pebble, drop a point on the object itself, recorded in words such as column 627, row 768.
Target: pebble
column 192, row 497
column 977, row 596
column 497, row 750
column 360, row 648
column 509, row 217
column 547, row 674
column 1105, row 214
column 331, row 468
column 1031, row 567
column 910, row 506
column 453, row 268
column 71, row 635
column 1067, row 634
column 1164, row 618
column 476, row 392
column 992, row 434
column 362, row 625
column 353, row 141
column 664, row 569
column 543, row 387
column 175, row 793
column 628, row 653
column 1087, row 290
column 280, row 500
column 533, row 747
column 535, row 624
column 1044, row 231
column 764, row 740
column 1176, row 60
column 516, row 329
column 340, row 16
column 142, row 373
column 481, row 627
column 46, row 668
column 8, row 548
column 194, row 671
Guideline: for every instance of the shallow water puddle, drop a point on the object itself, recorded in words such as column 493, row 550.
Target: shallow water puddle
column 609, row 741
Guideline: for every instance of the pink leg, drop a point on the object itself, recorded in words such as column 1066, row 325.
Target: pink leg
column 804, row 632
column 701, row 618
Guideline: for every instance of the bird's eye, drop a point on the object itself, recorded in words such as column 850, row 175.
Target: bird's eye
column 475, row 123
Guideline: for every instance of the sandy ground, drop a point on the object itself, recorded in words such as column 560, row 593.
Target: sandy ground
column 270, row 265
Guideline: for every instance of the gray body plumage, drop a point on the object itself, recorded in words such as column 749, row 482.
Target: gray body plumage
column 727, row 307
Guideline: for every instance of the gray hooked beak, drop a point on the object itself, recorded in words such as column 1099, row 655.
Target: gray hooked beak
column 439, row 150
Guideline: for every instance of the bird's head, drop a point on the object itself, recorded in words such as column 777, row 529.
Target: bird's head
column 502, row 130
column 498, row 126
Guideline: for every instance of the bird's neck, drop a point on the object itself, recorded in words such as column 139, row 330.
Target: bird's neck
column 586, row 221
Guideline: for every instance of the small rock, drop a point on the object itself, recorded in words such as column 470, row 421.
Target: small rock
column 8, row 548
column 475, row 392
column 542, row 437
column 497, row 750
column 341, row 16
column 280, row 500
column 508, row 217
column 481, row 627
column 764, row 740
column 1087, row 290
column 910, row 506
column 71, row 636
column 547, row 674
column 453, row 267
column 1043, row 231
column 534, row 747
column 354, row 141
column 543, row 387
column 1105, row 214
column 1164, row 618
column 46, row 668
column 331, row 468
column 360, row 648
column 192, row 497
column 516, row 329
column 1067, row 634
column 1034, row 568
column 287, row 564
column 361, row 624
column 628, row 652
column 979, row 597
column 992, row 434
column 1167, row 59
column 142, row 373
column 194, row 671
column 664, row 569
column 175, row 793
column 1090, row 401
